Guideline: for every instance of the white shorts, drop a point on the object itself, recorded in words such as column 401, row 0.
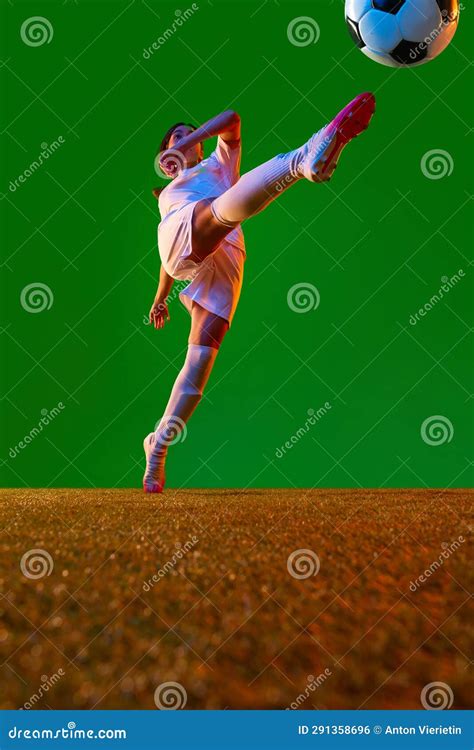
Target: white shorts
column 215, row 283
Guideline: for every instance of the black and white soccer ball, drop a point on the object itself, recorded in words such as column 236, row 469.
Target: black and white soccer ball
column 402, row 33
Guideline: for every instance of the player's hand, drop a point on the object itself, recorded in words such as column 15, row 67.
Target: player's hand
column 159, row 314
column 172, row 161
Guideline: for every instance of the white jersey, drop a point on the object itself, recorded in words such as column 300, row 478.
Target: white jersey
column 208, row 179
column 217, row 281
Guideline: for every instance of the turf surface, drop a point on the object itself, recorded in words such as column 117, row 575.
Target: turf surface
column 225, row 619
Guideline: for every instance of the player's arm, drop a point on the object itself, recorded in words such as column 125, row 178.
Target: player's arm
column 159, row 310
column 226, row 125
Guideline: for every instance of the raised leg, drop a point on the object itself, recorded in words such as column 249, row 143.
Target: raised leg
column 316, row 161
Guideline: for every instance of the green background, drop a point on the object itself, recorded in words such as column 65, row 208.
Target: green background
column 375, row 242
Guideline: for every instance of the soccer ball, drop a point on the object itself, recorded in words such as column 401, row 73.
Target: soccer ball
column 400, row 33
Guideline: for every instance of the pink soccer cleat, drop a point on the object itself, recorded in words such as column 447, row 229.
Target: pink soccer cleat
column 325, row 147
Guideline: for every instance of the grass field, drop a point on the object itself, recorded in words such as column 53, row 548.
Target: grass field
column 224, row 616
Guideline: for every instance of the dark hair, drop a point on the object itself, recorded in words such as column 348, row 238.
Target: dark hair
column 165, row 143
column 166, row 138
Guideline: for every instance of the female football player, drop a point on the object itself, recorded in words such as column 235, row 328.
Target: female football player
column 200, row 239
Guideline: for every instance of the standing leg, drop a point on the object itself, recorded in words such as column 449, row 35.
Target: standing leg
column 207, row 333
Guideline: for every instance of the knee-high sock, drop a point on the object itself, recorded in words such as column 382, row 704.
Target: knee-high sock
column 186, row 394
column 257, row 188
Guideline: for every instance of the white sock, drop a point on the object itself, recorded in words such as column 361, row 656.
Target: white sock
column 187, row 392
column 257, row 188
column 185, row 396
